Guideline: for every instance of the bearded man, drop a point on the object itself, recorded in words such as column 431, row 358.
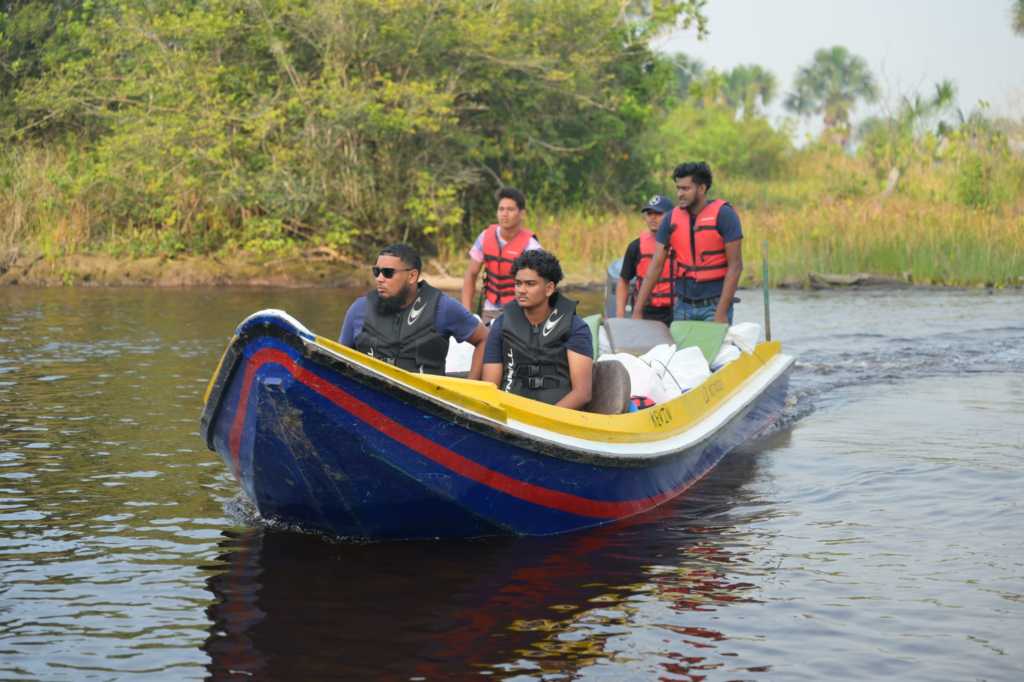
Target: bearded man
column 406, row 322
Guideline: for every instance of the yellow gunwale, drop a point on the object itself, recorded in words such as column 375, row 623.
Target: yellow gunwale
column 659, row 422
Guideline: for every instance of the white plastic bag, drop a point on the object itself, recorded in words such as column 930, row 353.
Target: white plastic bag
column 460, row 356
column 686, row 369
column 643, row 380
column 726, row 354
column 743, row 335
column 659, row 357
column 604, row 346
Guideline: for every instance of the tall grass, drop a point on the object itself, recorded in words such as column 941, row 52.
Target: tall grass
column 38, row 210
column 822, row 213
column 826, row 215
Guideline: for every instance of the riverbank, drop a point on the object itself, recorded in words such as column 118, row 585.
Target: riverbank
column 308, row 271
column 827, row 212
column 329, row 271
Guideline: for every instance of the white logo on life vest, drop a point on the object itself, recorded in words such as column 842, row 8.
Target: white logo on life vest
column 414, row 313
column 511, row 371
column 550, row 324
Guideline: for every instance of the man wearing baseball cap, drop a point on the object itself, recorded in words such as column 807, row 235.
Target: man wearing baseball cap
column 637, row 261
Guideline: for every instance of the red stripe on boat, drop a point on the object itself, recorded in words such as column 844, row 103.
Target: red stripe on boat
column 529, row 492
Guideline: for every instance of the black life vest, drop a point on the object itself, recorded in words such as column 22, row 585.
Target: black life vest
column 535, row 363
column 406, row 339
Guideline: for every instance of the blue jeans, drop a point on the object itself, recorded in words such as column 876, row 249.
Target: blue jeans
column 684, row 311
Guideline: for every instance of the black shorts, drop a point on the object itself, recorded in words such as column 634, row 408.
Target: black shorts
column 661, row 314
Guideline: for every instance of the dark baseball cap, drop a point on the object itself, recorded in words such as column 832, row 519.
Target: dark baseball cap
column 658, row 204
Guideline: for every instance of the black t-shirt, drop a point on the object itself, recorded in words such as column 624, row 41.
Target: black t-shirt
column 629, row 264
column 630, row 260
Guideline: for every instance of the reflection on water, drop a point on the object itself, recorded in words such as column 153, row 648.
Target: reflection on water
column 292, row 606
column 874, row 534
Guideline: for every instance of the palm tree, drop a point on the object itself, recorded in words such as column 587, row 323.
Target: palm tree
column 919, row 112
column 1017, row 17
column 831, row 85
column 688, row 71
column 748, row 87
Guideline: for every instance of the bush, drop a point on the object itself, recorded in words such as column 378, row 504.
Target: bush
column 748, row 147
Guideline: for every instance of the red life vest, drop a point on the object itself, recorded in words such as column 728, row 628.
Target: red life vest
column 642, row 402
column 498, row 281
column 710, row 262
column 662, row 295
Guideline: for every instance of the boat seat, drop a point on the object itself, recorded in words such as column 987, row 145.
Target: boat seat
column 707, row 336
column 636, row 337
column 610, row 390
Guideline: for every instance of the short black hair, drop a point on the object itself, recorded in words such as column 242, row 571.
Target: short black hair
column 513, row 194
column 409, row 256
column 543, row 263
column 700, row 172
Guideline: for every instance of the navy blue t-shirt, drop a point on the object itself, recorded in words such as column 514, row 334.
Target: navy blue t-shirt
column 580, row 340
column 450, row 319
column 730, row 229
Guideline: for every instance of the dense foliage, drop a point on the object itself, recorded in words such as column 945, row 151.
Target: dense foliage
column 326, row 128
column 264, row 121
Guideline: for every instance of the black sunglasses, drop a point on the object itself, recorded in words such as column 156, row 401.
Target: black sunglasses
column 389, row 272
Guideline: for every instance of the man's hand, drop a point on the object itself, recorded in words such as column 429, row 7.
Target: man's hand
column 581, row 374
column 653, row 275
column 734, row 260
column 469, row 284
column 621, row 294
column 479, row 340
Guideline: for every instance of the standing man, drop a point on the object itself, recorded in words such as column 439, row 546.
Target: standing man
column 540, row 348
column 706, row 239
column 406, row 322
column 494, row 250
column 637, row 261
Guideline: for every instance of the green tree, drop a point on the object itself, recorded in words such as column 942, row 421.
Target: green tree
column 911, row 134
column 750, row 87
column 831, row 85
column 1017, row 17
column 748, row 147
column 271, row 123
column 28, row 29
column 687, row 71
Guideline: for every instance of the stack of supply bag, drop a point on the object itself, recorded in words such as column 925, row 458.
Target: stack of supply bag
column 740, row 338
column 661, row 374
column 664, row 372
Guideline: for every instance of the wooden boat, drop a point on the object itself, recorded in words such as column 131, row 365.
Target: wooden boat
column 330, row 440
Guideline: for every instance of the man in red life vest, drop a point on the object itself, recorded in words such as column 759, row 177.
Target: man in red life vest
column 636, row 264
column 706, row 240
column 494, row 251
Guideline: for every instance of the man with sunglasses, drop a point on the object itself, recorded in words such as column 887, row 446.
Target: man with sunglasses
column 406, row 322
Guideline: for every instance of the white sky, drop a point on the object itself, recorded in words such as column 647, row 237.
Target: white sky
column 914, row 42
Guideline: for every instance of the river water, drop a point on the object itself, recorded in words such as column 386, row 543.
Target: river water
column 876, row 532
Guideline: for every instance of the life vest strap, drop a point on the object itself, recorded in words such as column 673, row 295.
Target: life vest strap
column 537, row 383
column 700, row 268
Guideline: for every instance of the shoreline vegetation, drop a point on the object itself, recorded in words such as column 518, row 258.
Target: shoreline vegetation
column 284, row 144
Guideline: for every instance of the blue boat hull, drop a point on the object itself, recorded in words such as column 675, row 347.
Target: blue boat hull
column 319, row 444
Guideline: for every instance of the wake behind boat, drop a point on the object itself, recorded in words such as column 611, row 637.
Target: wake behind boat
column 325, row 438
